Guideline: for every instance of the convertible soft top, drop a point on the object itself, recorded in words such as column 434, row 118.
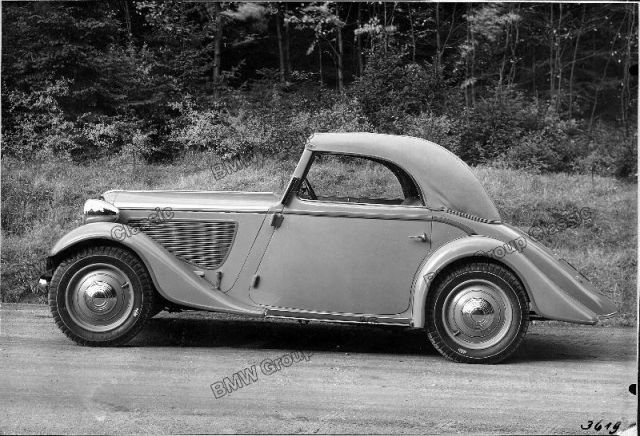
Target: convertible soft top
column 447, row 183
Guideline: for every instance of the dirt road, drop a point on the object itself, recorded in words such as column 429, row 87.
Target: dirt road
column 351, row 379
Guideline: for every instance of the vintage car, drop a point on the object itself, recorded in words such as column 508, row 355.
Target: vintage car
column 432, row 253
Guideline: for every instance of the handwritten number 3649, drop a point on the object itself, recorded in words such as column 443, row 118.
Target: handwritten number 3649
column 599, row 426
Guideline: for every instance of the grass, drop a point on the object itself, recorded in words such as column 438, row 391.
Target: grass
column 43, row 200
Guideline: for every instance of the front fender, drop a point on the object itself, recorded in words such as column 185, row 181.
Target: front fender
column 554, row 292
column 175, row 280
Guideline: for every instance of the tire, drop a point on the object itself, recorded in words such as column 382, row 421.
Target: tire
column 101, row 296
column 477, row 313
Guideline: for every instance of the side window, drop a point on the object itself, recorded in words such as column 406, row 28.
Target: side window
column 342, row 178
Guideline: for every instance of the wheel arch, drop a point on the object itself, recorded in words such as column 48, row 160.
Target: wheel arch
column 56, row 258
column 455, row 264
column 453, row 255
column 59, row 253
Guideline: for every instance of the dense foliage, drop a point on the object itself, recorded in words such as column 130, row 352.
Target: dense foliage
column 548, row 87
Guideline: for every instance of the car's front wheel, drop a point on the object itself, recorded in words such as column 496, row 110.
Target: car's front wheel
column 101, row 296
column 477, row 313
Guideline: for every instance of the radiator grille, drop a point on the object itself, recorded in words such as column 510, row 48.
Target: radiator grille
column 202, row 243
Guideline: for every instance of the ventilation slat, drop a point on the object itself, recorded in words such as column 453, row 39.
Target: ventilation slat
column 202, row 243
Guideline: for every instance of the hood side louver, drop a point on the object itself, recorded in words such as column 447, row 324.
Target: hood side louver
column 205, row 244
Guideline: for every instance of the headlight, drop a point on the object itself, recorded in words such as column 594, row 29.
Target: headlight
column 100, row 210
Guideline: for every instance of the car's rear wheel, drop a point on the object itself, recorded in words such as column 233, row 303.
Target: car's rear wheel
column 477, row 313
column 101, row 296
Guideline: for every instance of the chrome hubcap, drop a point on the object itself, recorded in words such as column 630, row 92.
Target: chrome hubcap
column 477, row 314
column 100, row 297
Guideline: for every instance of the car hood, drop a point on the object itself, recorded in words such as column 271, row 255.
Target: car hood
column 227, row 201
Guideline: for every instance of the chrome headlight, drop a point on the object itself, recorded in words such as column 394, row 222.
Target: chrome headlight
column 100, row 210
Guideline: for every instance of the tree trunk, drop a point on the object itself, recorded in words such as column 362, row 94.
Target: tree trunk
column 127, row 18
column 339, row 59
column 413, row 35
column 469, row 64
column 384, row 27
column 625, row 95
column 287, row 57
column 604, row 74
column 514, row 58
column 320, row 62
column 533, row 74
column 473, row 66
column 217, row 53
column 504, row 58
column 438, row 44
column 278, row 16
column 552, row 39
column 359, row 41
column 558, row 61
column 573, row 61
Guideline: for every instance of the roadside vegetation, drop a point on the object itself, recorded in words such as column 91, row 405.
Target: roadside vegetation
column 43, row 200
column 539, row 98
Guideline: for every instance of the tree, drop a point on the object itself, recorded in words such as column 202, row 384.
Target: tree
column 327, row 27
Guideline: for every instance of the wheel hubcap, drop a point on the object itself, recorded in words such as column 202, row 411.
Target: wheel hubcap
column 477, row 314
column 100, row 297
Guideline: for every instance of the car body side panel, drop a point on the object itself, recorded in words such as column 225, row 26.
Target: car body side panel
column 571, row 281
column 553, row 295
column 337, row 257
column 175, row 280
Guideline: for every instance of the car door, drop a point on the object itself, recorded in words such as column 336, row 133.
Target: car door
column 350, row 251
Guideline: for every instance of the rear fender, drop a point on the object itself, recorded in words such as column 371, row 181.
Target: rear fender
column 174, row 280
column 547, row 297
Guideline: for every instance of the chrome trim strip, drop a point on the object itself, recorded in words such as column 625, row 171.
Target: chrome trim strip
column 381, row 216
column 256, row 211
column 188, row 190
column 607, row 315
column 337, row 317
column 364, row 215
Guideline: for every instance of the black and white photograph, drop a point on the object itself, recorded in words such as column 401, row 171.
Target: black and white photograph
column 331, row 217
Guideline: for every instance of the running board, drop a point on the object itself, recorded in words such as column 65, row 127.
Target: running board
column 337, row 317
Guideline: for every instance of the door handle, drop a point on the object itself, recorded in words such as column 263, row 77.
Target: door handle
column 422, row 238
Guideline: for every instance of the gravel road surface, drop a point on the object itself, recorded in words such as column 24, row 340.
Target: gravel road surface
column 350, row 380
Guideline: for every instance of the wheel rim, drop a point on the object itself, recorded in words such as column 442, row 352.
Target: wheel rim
column 100, row 297
column 477, row 314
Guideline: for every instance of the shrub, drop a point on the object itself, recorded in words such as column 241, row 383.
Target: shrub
column 281, row 127
column 196, row 129
column 33, row 121
column 391, row 88
column 441, row 129
column 101, row 136
column 610, row 151
column 521, row 133
column 550, row 148
column 492, row 126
